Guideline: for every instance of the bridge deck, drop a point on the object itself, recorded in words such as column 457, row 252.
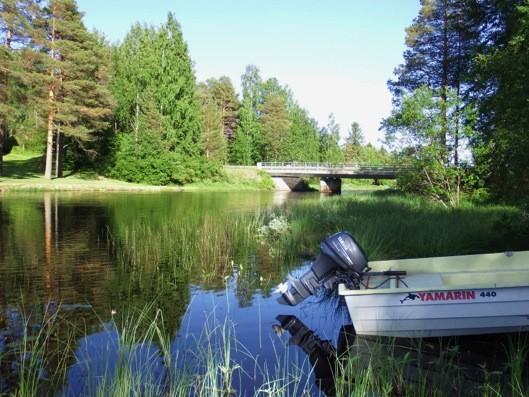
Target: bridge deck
column 356, row 170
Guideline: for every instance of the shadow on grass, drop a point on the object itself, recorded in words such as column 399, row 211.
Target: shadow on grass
column 24, row 169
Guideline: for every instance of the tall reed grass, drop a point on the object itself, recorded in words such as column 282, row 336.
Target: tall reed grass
column 148, row 365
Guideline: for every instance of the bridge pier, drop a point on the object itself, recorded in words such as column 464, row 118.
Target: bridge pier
column 292, row 184
column 330, row 185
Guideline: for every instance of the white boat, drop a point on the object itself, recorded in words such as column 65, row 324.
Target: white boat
column 442, row 296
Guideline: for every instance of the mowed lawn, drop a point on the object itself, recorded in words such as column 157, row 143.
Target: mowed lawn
column 24, row 170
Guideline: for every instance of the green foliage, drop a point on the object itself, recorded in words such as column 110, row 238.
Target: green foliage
column 502, row 144
column 154, row 85
column 155, row 165
column 420, row 126
column 275, row 126
column 302, row 143
column 430, row 178
column 222, row 93
column 355, row 135
column 329, row 136
column 247, row 145
column 212, row 136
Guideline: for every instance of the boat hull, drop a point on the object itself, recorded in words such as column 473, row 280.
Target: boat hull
column 433, row 313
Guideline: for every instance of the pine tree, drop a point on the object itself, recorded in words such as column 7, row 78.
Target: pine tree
column 7, row 21
column 79, row 103
column 440, row 43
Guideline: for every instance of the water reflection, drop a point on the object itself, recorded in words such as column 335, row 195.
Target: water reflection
column 185, row 255
column 450, row 366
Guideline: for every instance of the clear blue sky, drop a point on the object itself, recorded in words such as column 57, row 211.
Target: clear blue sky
column 335, row 55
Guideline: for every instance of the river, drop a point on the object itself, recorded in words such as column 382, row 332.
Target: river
column 145, row 291
column 64, row 252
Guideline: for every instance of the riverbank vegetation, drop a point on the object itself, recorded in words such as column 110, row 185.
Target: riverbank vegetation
column 22, row 173
column 134, row 111
column 459, row 100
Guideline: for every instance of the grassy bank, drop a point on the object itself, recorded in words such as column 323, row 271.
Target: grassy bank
column 389, row 224
column 23, row 172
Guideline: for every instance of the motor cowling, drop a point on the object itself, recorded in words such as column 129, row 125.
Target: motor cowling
column 340, row 255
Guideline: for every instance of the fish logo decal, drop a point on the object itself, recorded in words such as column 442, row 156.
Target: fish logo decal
column 410, row 297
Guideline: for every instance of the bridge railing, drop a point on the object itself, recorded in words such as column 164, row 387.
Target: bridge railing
column 326, row 166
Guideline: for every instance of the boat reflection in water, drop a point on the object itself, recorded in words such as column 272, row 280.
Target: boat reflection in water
column 410, row 366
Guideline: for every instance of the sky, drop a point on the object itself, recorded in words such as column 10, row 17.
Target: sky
column 335, row 55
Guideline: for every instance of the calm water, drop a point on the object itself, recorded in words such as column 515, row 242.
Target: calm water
column 93, row 259
column 69, row 249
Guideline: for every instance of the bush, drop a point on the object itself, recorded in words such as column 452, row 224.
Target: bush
column 146, row 160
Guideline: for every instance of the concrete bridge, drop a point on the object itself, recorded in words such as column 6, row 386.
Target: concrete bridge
column 288, row 176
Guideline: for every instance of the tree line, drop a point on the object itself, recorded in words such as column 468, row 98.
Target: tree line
column 134, row 110
column 461, row 100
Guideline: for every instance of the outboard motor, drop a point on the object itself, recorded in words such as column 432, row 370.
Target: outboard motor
column 341, row 258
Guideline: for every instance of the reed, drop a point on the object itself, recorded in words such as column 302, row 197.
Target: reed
column 147, row 365
column 389, row 225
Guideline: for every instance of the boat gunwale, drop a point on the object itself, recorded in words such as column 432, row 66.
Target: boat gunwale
column 344, row 291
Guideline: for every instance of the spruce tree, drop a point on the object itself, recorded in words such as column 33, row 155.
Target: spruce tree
column 275, row 126
column 157, row 106
column 153, row 64
column 247, row 145
column 213, row 138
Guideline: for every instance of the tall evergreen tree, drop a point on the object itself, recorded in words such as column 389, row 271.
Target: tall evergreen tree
column 79, row 103
column 440, row 43
column 213, row 138
column 158, row 116
column 247, row 145
column 275, row 126
column 153, row 66
column 501, row 145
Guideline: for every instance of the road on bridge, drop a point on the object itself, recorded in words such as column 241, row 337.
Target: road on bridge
column 328, row 170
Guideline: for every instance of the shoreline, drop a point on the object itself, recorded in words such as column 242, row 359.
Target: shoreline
column 73, row 184
column 69, row 184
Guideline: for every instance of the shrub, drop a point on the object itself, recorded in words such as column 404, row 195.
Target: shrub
column 146, row 160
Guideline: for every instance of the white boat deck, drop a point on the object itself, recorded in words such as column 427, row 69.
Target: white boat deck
column 448, row 273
